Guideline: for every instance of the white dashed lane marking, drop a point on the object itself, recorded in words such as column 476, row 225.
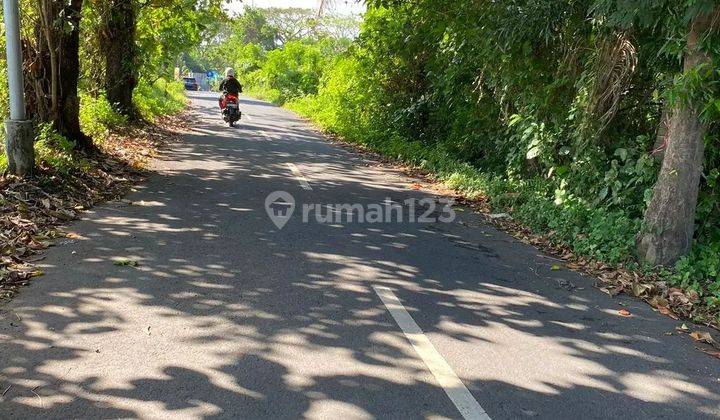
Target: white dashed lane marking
column 299, row 176
column 454, row 388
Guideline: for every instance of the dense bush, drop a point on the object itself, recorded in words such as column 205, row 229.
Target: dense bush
column 56, row 151
column 97, row 116
column 159, row 98
column 287, row 73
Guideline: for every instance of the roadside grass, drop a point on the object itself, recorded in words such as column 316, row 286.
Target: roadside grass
column 586, row 229
column 589, row 231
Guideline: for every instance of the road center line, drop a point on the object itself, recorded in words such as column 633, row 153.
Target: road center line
column 454, row 388
column 299, row 176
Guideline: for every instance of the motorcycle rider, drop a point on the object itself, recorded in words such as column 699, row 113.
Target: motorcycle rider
column 229, row 85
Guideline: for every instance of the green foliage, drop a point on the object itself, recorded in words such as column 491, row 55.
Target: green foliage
column 164, row 30
column 55, row 151
column 291, row 72
column 278, row 54
column 97, row 116
column 343, row 103
column 167, row 29
column 252, row 28
column 159, row 98
column 550, row 108
column 701, row 271
column 551, row 115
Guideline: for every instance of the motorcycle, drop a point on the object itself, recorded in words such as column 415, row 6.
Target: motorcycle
column 230, row 108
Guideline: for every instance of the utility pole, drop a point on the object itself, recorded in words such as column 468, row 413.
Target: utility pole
column 18, row 130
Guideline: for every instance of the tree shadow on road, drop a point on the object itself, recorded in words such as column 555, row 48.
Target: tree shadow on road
column 227, row 316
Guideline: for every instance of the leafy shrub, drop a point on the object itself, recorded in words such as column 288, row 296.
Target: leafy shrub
column 701, row 271
column 290, row 72
column 159, row 98
column 55, row 151
column 97, row 116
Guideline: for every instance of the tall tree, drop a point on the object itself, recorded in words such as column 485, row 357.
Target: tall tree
column 670, row 217
column 252, row 27
column 117, row 43
column 57, row 68
column 166, row 29
column 292, row 23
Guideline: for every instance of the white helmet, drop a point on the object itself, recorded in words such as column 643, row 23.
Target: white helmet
column 229, row 72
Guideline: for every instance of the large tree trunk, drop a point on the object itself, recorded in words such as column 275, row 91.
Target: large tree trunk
column 117, row 42
column 669, row 225
column 56, row 69
column 69, row 119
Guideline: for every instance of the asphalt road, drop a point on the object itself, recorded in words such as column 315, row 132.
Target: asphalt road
column 228, row 316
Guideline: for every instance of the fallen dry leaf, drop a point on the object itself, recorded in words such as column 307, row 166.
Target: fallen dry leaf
column 658, row 302
column 702, row 336
column 712, row 353
column 667, row 311
column 641, row 290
